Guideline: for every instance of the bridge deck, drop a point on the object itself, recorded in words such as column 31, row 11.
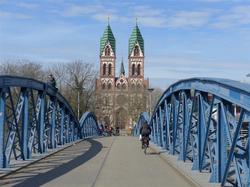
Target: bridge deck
column 112, row 161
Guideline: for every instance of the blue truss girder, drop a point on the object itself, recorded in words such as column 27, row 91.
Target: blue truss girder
column 206, row 121
column 35, row 117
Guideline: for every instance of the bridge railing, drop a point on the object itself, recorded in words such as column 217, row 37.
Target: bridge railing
column 206, row 121
column 89, row 125
column 35, row 117
column 142, row 119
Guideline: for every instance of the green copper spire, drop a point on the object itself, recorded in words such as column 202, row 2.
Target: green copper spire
column 107, row 37
column 134, row 38
column 122, row 70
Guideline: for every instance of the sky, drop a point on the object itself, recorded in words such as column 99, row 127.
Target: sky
column 183, row 38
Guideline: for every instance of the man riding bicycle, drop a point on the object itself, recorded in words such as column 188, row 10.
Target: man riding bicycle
column 145, row 131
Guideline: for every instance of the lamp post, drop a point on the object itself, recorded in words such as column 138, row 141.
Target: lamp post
column 78, row 100
column 150, row 99
column 77, row 88
column 78, row 103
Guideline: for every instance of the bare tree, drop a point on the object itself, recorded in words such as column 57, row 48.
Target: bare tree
column 76, row 82
column 24, row 68
column 156, row 94
column 73, row 79
column 59, row 71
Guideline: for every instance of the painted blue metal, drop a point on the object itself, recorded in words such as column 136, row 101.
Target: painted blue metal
column 2, row 122
column 35, row 117
column 52, row 124
column 62, row 127
column 207, row 122
column 89, row 125
column 41, row 126
column 25, row 122
column 161, row 128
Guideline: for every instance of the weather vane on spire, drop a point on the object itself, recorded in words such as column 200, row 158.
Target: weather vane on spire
column 136, row 21
column 108, row 20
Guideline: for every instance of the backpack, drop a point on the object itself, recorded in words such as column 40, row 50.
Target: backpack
column 146, row 131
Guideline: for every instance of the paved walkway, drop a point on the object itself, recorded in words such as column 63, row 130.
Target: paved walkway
column 102, row 162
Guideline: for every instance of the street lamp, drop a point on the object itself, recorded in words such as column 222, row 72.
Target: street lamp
column 150, row 99
column 78, row 103
column 78, row 100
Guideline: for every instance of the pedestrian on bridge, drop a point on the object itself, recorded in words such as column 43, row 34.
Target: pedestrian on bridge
column 52, row 81
column 145, row 131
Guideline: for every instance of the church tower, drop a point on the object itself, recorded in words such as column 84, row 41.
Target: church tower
column 107, row 59
column 120, row 99
column 136, row 58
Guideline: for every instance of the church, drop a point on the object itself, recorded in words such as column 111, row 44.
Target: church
column 120, row 99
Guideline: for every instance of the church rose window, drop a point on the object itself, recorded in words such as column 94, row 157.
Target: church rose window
column 110, row 70
column 104, row 69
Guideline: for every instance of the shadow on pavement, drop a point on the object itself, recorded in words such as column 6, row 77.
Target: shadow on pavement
column 156, row 153
column 64, row 168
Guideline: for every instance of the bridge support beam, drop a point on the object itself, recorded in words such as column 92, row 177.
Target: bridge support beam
column 2, row 125
column 25, row 124
column 41, row 125
column 167, row 135
column 161, row 127
column 62, row 127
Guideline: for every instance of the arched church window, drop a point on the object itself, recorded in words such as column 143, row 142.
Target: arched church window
column 124, row 86
column 109, row 86
column 119, row 86
column 133, row 86
column 139, row 69
column 136, row 51
column 103, row 86
column 104, row 69
column 110, row 69
column 107, row 51
column 133, row 69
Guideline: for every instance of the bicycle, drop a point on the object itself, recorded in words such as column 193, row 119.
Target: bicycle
column 145, row 143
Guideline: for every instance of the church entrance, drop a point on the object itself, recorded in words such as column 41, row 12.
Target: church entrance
column 121, row 118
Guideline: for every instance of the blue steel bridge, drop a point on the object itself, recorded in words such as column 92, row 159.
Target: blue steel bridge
column 200, row 137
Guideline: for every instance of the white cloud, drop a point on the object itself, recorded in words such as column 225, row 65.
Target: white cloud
column 169, row 67
column 158, row 17
column 3, row 1
column 4, row 14
column 77, row 10
column 97, row 12
column 31, row 6
column 238, row 16
column 189, row 19
column 149, row 16
column 11, row 15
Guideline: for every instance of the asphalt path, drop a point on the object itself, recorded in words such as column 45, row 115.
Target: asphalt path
column 101, row 162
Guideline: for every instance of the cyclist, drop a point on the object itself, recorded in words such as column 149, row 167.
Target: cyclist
column 145, row 131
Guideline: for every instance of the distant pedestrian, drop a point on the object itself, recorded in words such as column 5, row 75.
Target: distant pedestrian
column 52, row 80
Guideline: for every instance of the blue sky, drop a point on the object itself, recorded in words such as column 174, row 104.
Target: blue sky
column 183, row 38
